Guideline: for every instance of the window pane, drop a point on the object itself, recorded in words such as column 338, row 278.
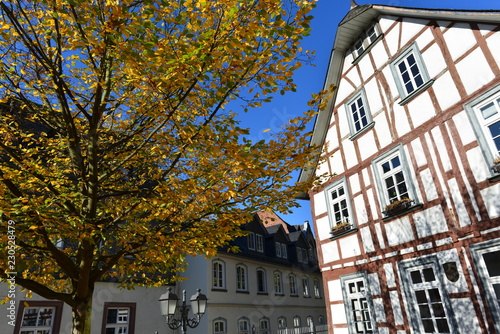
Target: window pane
column 495, row 134
column 421, row 297
column 425, row 311
column 428, row 326
column 442, row 326
column 492, row 261
column 429, row 275
column 434, row 295
column 416, row 277
column 489, row 110
column 438, row 310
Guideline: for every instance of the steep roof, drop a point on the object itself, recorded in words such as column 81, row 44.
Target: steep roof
column 351, row 26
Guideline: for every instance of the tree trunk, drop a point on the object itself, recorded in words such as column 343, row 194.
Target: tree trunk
column 82, row 317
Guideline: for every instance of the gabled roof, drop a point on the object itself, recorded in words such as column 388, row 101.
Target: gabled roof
column 351, row 26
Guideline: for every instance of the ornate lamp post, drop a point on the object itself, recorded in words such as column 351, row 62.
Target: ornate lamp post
column 168, row 305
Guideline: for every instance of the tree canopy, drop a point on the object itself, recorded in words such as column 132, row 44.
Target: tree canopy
column 118, row 156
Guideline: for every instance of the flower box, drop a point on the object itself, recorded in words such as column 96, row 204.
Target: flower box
column 496, row 166
column 398, row 207
column 341, row 229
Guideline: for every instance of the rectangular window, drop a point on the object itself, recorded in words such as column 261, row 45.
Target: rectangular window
column 278, row 284
column 293, row 285
column 259, row 243
column 38, row 317
column 358, row 114
column 277, row 245
column 358, row 303
column 251, row 241
column 339, row 210
column 284, row 252
column 484, row 114
column 392, row 175
column 365, row 41
column 218, row 275
column 118, row 318
column 261, row 281
column 410, row 73
column 426, row 296
column 241, row 278
column 486, row 258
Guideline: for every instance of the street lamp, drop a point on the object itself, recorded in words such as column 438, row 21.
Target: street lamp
column 168, row 305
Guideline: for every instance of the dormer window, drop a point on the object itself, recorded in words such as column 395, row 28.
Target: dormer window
column 366, row 41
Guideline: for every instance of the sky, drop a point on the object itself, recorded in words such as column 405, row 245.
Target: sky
column 310, row 79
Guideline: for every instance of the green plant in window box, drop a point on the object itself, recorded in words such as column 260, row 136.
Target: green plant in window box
column 496, row 165
column 398, row 206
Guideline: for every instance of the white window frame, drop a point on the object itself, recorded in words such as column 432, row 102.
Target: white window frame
column 477, row 251
column 54, row 327
column 124, row 322
column 292, row 279
column 366, row 41
column 480, row 125
column 297, row 322
column 251, row 241
column 317, row 288
column 417, row 87
column 264, row 326
column 264, row 280
column 425, row 263
column 259, row 239
column 243, row 325
column 278, row 283
column 339, row 216
column 384, row 197
column 284, row 252
column 358, row 97
column 360, row 297
column 217, row 322
column 241, row 277
column 218, row 274
column 277, row 246
column 305, row 287
column 282, row 323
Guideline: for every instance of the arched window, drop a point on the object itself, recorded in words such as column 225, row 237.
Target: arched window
column 296, row 322
column 241, row 278
column 305, row 286
column 243, row 326
column 219, row 326
column 218, row 274
column 292, row 279
column 264, row 326
column 281, row 323
column 278, row 283
column 317, row 290
column 261, row 281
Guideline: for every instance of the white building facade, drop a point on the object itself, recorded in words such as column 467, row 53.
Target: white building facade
column 408, row 221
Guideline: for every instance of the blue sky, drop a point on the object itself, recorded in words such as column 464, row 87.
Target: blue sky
column 327, row 16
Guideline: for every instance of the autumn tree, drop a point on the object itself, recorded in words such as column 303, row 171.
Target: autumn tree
column 118, row 153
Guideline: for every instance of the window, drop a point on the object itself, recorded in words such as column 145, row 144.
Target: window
column 321, row 320
column 296, row 322
column 305, row 286
column 366, row 41
column 317, row 291
column 282, row 323
column 338, row 201
column 261, row 281
column 251, row 241
column 310, row 323
column 293, row 285
column 487, row 257
column 241, row 278
column 218, row 274
column 484, row 113
column 278, row 283
column 392, row 175
column 305, row 257
column 39, row 317
column 357, row 302
column 243, row 326
column 118, row 318
column 278, row 249
column 410, row 73
column 284, row 252
column 219, row 326
column 259, row 243
column 358, row 114
column 426, row 297
column 264, row 327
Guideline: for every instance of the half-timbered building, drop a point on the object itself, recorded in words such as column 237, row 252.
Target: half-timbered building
column 408, row 219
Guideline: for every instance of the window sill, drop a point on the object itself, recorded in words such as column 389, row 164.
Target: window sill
column 403, row 212
column 343, row 232
column 243, row 291
column 279, row 294
column 219, row 289
column 362, row 131
column 416, row 92
column 494, row 178
column 262, row 293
